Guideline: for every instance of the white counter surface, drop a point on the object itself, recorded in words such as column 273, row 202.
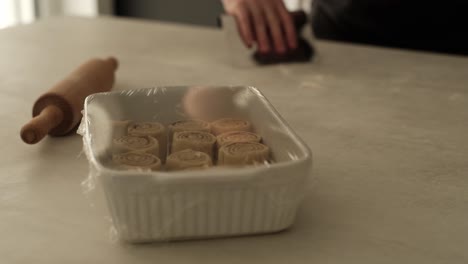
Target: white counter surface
column 388, row 129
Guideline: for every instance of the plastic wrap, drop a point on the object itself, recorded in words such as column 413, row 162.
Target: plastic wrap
column 158, row 205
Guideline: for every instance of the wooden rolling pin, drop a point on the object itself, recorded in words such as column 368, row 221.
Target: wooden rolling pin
column 58, row 111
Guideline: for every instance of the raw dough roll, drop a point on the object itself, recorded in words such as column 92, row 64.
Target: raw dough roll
column 230, row 124
column 188, row 159
column 136, row 160
column 237, row 136
column 154, row 129
column 243, row 153
column 134, row 143
column 189, row 125
column 120, row 128
column 194, row 140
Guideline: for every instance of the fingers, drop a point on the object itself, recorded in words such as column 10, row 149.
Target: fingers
column 242, row 16
column 274, row 27
column 264, row 22
column 287, row 24
column 260, row 25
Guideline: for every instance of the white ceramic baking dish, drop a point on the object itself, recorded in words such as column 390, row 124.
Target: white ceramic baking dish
column 158, row 206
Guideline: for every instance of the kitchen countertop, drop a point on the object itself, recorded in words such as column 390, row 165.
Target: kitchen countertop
column 388, row 129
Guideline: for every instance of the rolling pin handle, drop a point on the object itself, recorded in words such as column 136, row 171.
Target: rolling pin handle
column 39, row 126
column 114, row 62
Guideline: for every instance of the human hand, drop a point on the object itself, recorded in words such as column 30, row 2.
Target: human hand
column 264, row 22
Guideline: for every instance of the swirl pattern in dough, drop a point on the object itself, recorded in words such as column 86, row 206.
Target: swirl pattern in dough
column 194, row 140
column 136, row 143
column 237, row 136
column 153, row 129
column 188, row 159
column 243, row 153
column 230, row 124
column 136, row 160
